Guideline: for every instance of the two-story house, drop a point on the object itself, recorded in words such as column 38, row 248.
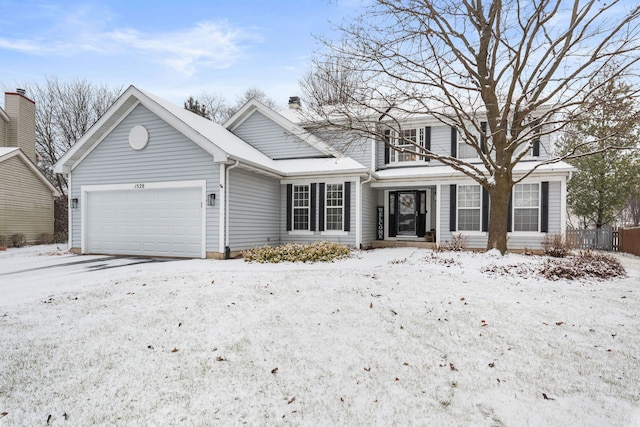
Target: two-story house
column 151, row 178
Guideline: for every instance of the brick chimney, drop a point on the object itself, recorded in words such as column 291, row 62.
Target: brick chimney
column 21, row 128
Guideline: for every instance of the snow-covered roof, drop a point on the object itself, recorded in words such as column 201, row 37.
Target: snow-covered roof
column 215, row 139
column 442, row 171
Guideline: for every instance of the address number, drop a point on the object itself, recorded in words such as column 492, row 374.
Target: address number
column 139, row 186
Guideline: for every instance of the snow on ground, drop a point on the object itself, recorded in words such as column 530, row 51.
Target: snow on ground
column 389, row 337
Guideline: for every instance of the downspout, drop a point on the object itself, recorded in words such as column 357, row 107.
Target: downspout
column 227, row 249
column 359, row 211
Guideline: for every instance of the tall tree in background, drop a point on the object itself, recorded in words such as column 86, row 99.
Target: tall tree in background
column 524, row 67
column 64, row 112
column 600, row 189
column 194, row 106
column 215, row 108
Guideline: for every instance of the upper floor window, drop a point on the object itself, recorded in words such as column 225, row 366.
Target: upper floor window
column 404, row 146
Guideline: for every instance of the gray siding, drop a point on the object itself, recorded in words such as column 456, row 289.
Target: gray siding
column 26, row 203
column 169, row 156
column 515, row 240
column 369, row 214
column 441, row 144
column 254, row 210
column 285, row 237
column 271, row 139
column 360, row 151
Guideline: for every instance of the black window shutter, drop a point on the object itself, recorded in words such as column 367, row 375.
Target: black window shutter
column 321, row 208
column 483, row 137
column 544, row 223
column 421, row 226
column 454, row 142
column 393, row 207
column 427, row 140
column 312, row 204
column 510, row 214
column 387, row 141
column 452, row 207
column 536, row 141
column 347, row 206
column 289, row 206
column 485, row 209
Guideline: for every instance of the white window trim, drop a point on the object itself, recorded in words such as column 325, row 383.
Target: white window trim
column 300, row 233
column 468, row 232
column 327, row 207
column 393, row 154
column 334, row 233
column 294, row 207
column 513, row 212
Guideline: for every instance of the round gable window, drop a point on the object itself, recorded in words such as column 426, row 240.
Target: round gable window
column 138, row 137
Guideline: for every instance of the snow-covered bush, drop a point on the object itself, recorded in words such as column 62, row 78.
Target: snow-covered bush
column 458, row 243
column 315, row 252
column 46, row 239
column 585, row 264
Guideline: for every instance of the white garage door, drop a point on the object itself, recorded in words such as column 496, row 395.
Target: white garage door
column 158, row 222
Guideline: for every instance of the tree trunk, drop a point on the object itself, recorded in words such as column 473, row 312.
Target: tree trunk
column 499, row 196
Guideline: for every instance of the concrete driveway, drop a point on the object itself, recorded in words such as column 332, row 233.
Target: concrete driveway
column 28, row 273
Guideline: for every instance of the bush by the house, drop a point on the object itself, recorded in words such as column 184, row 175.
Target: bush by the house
column 458, row 243
column 45, row 238
column 18, row 240
column 316, row 252
column 584, row 265
column 556, row 246
column 60, row 237
column 3, row 240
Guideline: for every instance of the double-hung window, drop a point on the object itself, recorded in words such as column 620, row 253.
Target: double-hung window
column 334, row 207
column 405, row 145
column 301, row 207
column 469, row 207
column 526, row 207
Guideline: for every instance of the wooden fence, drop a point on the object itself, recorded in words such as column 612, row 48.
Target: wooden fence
column 601, row 238
column 629, row 240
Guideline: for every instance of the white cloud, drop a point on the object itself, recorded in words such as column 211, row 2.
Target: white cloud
column 206, row 45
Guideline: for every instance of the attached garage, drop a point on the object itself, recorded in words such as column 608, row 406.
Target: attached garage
column 150, row 219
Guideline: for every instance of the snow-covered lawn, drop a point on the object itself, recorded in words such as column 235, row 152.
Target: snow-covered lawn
column 389, row 337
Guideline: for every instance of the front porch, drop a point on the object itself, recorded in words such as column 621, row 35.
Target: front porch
column 377, row 244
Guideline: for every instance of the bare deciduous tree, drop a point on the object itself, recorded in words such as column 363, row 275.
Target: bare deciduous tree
column 523, row 67
column 64, row 112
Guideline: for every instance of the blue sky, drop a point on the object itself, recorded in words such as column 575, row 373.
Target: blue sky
column 171, row 48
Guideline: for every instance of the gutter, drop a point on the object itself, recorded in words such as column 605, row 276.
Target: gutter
column 227, row 249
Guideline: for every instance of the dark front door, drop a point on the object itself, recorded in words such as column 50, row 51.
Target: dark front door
column 407, row 215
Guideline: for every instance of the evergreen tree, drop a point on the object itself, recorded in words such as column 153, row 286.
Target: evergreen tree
column 600, row 189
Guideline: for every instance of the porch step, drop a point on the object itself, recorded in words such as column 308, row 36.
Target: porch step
column 401, row 244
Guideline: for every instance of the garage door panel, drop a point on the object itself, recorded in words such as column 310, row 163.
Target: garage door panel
column 161, row 222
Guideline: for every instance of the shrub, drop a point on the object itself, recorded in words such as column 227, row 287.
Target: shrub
column 18, row 240
column 3, row 240
column 555, row 245
column 585, row 264
column 458, row 242
column 292, row 252
column 45, row 239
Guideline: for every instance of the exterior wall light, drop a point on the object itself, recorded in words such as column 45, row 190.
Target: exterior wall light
column 74, row 203
column 211, row 199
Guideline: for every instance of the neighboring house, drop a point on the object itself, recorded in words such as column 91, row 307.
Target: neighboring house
column 151, row 178
column 26, row 196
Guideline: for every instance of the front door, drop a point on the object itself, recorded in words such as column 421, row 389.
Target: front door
column 407, row 213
